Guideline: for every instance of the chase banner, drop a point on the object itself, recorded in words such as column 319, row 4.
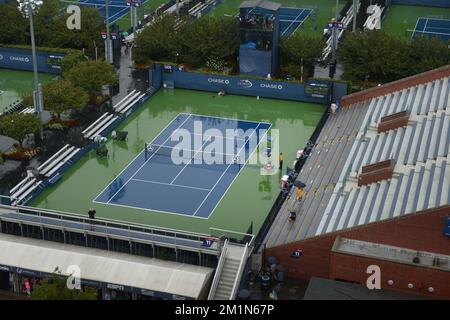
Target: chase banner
column 21, row 59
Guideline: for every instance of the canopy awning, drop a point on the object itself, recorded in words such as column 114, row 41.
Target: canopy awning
column 150, row 274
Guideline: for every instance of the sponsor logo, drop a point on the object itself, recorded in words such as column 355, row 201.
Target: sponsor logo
column 115, row 287
column 245, row 83
column 1, row 57
column 4, row 268
column 271, row 86
column 220, row 81
column 21, row 59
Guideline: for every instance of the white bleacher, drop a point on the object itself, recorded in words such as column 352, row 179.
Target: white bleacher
column 100, row 126
column 18, row 197
column 118, row 104
column 62, row 162
column 95, row 123
column 52, row 158
column 27, row 110
column 62, row 156
column 129, row 103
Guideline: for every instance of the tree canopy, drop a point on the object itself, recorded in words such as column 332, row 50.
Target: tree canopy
column 380, row 57
column 300, row 47
column 50, row 27
column 92, row 75
column 195, row 43
column 18, row 125
column 55, row 288
column 61, row 96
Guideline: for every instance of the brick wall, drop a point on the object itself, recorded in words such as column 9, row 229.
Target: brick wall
column 353, row 268
column 396, row 85
column 421, row 231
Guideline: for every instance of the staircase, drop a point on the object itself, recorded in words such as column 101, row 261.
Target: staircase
column 229, row 271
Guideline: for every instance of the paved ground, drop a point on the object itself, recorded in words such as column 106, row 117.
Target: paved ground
column 6, row 295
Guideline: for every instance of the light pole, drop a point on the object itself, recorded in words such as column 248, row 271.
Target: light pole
column 108, row 46
column 28, row 8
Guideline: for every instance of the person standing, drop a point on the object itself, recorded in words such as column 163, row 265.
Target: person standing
column 91, row 214
column 281, row 160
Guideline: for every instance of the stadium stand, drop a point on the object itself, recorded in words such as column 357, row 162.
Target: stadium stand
column 107, row 119
column 351, row 142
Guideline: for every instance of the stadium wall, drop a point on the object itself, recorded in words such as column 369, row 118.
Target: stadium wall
column 427, row 3
column 422, row 231
column 21, row 59
column 396, row 85
column 172, row 76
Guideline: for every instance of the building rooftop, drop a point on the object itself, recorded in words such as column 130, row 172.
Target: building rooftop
column 350, row 140
column 392, row 253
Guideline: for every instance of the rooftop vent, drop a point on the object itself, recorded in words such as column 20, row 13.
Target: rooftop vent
column 376, row 172
column 393, row 121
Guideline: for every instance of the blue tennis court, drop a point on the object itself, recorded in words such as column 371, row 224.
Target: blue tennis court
column 432, row 28
column 291, row 19
column 188, row 179
column 117, row 8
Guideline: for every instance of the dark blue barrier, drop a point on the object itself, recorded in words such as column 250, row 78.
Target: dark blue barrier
column 21, row 59
column 315, row 91
column 428, row 3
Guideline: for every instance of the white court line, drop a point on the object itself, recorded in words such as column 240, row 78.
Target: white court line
column 415, row 28
column 192, row 158
column 187, row 215
column 223, row 173
column 171, row 184
column 146, row 161
column 224, row 118
column 129, row 164
column 295, row 20
column 242, row 168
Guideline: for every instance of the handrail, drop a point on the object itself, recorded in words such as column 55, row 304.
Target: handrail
column 252, row 236
column 61, row 215
column 219, row 268
column 239, row 272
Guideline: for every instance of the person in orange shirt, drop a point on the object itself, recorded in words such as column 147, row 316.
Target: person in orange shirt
column 281, row 160
column 299, row 193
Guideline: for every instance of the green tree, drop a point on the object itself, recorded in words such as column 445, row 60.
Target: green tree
column 380, row 57
column 13, row 26
column 55, row 288
column 18, row 125
column 91, row 25
column 210, row 39
column 61, row 96
column 70, row 60
column 44, row 22
column 92, row 76
column 300, row 48
column 429, row 53
column 157, row 42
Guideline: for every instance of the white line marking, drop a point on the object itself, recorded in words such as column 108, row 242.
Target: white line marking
column 129, row 164
column 187, row 215
column 218, row 180
column 145, row 162
column 224, row 118
column 192, row 158
column 229, row 186
column 171, row 184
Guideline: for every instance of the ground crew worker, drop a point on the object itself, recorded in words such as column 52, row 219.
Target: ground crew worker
column 281, row 160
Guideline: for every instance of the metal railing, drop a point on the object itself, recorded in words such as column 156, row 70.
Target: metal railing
column 242, row 264
column 242, row 238
column 65, row 220
column 219, row 269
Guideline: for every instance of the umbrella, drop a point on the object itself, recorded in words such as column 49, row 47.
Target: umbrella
column 125, row 33
column 299, row 184
column 272, row 260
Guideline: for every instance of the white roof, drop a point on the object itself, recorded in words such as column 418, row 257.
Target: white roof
column 105, row 266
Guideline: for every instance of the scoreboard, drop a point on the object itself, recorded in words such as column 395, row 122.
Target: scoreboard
column 317, row 89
